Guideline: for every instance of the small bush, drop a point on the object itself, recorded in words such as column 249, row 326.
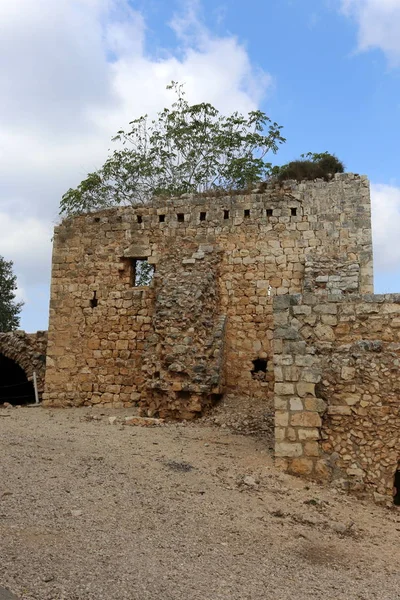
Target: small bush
column 310, row 166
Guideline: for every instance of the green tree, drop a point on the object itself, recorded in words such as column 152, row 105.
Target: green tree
column 186, row 149
column 9, row 308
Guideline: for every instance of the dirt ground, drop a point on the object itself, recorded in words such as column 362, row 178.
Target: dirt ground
column 96, row 511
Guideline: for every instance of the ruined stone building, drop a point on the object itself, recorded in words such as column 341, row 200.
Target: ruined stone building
column 267, row 295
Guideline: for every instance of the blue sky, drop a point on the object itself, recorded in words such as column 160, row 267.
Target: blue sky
column 75, row 71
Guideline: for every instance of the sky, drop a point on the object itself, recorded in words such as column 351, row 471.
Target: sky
column 74, row 72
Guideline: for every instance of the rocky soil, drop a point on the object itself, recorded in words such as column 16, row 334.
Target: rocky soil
column 95, row 509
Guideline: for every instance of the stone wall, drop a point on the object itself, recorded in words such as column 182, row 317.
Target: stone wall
column 337, row 388
column 28, row 350
column 112, row 343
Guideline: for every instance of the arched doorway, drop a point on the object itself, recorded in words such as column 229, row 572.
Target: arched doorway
column 14, row 385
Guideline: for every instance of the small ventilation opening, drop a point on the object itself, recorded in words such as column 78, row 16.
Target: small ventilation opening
column 226, row 214
column 14, row 387
column 203, row 216
column 247, row 213
column 396, row 486
column 161, row 218
column 270, row 212
column 180, row 217
column 94, row 301
column 259, row 369
column 139, row 219
column 293, row 212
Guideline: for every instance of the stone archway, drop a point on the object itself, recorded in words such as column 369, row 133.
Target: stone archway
column 21, row 354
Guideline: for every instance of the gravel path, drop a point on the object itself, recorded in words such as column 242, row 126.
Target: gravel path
column 94, row 511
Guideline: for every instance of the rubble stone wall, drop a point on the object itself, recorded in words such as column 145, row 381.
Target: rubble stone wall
column 112, row 343
column 337, row 388
column 28, row 350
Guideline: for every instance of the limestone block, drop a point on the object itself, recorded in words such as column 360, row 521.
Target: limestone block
column 315, row 405
column 339, row 410
column 284, row 389
column 296, row 404
column 301, row 466
column 311, row 448
column 288, row 449
column 305, row 419
column 281, row 418
column 308, row 434
column 305, row 388
column 325, row 332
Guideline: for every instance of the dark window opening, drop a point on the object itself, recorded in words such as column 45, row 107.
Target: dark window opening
column 156, row 374
column 161, row 218
column 139, row 219
column 96, row 219
column 142, row 272
column 259, row 369
column 247, row 213
column 183, row 395
column 226, row 214
column 396, row 486
column 293, row 212
column 203, row 216
column 180, row 217
column 270, row 212
column 14, row 385
column 94, row 301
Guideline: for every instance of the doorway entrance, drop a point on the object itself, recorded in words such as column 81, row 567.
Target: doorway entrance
column 14, row 385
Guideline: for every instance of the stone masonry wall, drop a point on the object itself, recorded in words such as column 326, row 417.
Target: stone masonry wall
column 108, row 341
column 28, row 350
column 337, row 388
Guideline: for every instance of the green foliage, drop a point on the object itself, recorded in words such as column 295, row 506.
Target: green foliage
column 144, row 272
column 188, row 148
column 9, row 309
column 310, row 166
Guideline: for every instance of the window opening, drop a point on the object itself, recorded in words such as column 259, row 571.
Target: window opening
column 139, row 219
column 94, row 301
column 142, row 272
column 247, row 213
column 226, row 214
column 396, row 486
column 161, row 218
column 270, row 212
column 293, row 212
column 203, row 216
column 259, row 369
column 180, row 217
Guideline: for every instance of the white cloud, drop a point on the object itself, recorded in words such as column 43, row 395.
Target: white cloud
column 378, row 25
column 73, row 72
column 386, row 226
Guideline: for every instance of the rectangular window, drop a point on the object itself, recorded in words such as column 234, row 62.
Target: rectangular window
column 136, row 272
column 226, row 214
column 247, row 213
column 142, row 272
column 139, row 219
column 180, row 217
column 203, row 216
column 293, row 212
column 161, row 218
column 270, row 212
